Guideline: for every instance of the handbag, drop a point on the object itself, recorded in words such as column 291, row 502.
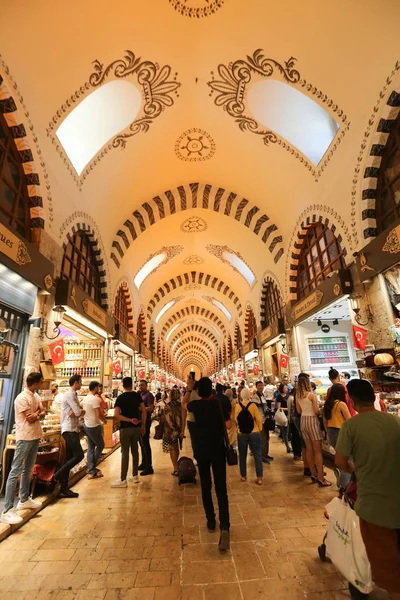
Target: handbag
column 269, row 422
column 231, row 454
column 159, row 431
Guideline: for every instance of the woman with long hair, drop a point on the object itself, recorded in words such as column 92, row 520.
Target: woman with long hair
column 335, row 413
column 172, row 418
column 282, row 404
column 307, row 406
column 232, row 433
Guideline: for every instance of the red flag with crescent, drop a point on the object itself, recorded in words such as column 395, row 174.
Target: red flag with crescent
column 284, row 361
column 359, row 337
column 57, row 352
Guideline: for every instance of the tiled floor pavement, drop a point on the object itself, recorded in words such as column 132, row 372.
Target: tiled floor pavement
column 149, row 542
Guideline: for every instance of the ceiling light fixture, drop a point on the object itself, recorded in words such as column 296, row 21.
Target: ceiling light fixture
column 355, row 303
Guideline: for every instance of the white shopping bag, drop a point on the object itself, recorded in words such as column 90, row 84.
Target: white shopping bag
column 345, row 546
column 281, row 418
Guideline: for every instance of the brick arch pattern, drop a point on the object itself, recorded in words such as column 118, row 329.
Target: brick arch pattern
column 159, row 348
column 141, row 327
column 296, row 251
column 194, row 361
column 268, row 279
column 125, row 288
column 192, row 311
column 194, row 338
column 369, row 183
column 193, row 351
column 152, row 341
column 89, row 231
column 249, row 322
column 191, row 196
column 229, row 346
column 190, row 278
column 195, row 329
column 13, row 118
column 238, row 336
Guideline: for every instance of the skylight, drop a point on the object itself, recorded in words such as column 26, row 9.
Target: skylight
column 241, row 266
column 152, row 264
column 100, row 116
column 293, row 116
column 164, row 309
column 171, row 331
column 221, row 307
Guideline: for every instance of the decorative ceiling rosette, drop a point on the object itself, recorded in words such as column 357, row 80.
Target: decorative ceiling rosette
column 195, row 145
column 230, row 86
column 193, row 260
column 158, row 87
column 194, row 225
column 196, row 9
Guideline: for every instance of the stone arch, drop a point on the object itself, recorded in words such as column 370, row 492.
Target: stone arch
column 238, row 337
column 250, row 324
column 193, row 278
column 192, row 311
column 314, row 214
column 193, row 351
column 124, row 287
column 194, row 338
column 267, row 280
column 380, row 136
column 71, row 226
column 229, row 346
column 15, row 122
column 192, row 196
column 152, row 341
column 195, row 329
column 141, row 329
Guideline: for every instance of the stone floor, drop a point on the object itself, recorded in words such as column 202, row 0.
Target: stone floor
column 149, row 542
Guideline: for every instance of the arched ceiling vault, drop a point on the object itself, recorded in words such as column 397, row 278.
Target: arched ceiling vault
column 196, row 183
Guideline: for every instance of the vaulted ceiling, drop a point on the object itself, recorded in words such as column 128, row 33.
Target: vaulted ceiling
column 196, row 175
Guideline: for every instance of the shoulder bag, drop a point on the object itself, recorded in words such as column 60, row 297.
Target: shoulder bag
column 231, row 454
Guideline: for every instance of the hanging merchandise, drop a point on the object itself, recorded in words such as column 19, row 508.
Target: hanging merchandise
column 359, row 337
column 284, row 361
column 57, row 352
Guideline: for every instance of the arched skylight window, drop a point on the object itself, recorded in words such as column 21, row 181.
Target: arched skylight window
column 164, row 309
column 152, row 264
column 293, row 116
column 100, row 116
column 171, row 331
column 221, row 307
column 240, row 266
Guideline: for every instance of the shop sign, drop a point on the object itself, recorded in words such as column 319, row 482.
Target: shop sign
column 277, row 327
column 94, row 312
column 306, row 305
column 380, row 254
column 13, row 247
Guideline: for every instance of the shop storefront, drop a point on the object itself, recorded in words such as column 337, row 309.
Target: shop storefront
column 23, row 272
column 323, row 330
column 124, row 347
column 251, row 361
column 271, row 348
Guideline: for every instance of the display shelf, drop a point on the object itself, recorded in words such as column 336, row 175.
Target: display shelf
column 324, row 351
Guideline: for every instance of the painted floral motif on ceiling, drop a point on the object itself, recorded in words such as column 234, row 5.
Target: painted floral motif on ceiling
column 193, row 260
column 196, row 9
column 158, row 86
column 229, row 86
column 192, row 286
column 195, row 145
column 194, row 225
column 170, row 253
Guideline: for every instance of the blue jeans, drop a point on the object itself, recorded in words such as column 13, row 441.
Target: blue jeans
column 95, row 446
column 254, row 441
column 344, row 478
column 23, row 462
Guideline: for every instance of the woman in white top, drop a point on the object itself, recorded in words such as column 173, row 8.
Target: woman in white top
column 307, row 406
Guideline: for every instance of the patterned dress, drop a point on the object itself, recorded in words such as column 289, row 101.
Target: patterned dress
column 172, row 425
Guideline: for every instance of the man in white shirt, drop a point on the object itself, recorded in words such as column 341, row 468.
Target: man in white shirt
column 28, row 410
column 93, row 429
column 70, row 413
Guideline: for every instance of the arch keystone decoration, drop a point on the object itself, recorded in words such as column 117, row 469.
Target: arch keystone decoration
column 192, row 196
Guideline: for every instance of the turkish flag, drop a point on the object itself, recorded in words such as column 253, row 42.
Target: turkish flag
column 57, row 352
column 117, row 367
column 284, row 361
column 255, row 369
column 359, row 337
column 141, row 373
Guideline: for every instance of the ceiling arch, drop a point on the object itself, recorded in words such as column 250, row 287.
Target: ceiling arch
column 193, row 338
column 192, row 311
column 193, row 278
column 193, row 349
column 194, row 328
column 197, row 195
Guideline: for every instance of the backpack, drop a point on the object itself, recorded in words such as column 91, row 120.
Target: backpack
column 186, row 470
column 245, row 419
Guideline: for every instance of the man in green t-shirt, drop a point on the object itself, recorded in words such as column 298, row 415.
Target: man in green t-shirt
column 372, row 438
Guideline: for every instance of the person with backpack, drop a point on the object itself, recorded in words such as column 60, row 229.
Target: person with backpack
column 249, row 434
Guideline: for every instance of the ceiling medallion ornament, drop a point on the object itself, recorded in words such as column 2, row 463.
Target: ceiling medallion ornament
column 193, row 286
column 157, row 84
column 193, row 260
column 194, row 225
column 195, row 145
column 196, row 9
column 230, row 91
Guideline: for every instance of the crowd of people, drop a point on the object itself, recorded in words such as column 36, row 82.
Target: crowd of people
column 366, row 440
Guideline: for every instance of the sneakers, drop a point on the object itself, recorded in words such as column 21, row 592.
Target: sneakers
column 211, row 525
column 68, row 494
column 10, row 517
column 28, row 504
column 134, row 479
column 147, row 471
column 224, row 541
column 119, row 484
